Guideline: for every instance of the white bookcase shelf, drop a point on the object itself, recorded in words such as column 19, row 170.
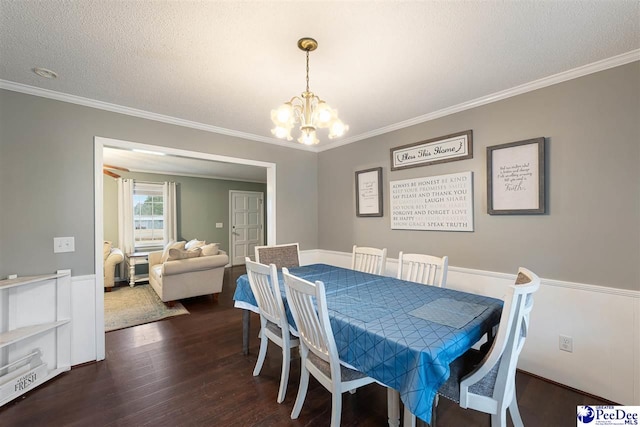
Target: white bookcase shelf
column 12, row 337
column 35, row 331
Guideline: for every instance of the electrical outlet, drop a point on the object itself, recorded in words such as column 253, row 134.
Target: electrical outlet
column 64, row 244
column 566, row 343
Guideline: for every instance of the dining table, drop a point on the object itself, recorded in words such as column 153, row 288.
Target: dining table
column 403, row 334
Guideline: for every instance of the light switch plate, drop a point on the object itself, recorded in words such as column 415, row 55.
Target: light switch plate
column 64, row 244
column 218, row 225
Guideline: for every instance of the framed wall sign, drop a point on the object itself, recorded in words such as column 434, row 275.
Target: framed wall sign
column 448, row 148
column 369, row 192
column 440, row 203
column 515, row 178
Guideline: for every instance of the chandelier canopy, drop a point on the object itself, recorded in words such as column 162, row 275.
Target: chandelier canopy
column 308, row 109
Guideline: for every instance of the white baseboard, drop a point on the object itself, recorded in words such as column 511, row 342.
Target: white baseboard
column 603, row 322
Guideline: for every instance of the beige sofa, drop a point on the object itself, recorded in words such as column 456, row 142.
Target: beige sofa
column 184, row 278
column 111, row 257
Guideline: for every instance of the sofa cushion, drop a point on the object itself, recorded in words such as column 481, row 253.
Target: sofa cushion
column 175, row 254
column 171, row 245
column 155, row 272
column 194, row 243
column 210, row 249
column 106, row 250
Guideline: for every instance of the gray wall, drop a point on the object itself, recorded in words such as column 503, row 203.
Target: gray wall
column 47, row 188
column 591, row 233
column 202, row 203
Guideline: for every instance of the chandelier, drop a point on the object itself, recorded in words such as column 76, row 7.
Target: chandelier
column 309, row 110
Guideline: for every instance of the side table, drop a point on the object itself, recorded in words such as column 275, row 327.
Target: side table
column 133, row 259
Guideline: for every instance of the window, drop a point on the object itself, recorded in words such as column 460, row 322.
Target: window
column 148, row 216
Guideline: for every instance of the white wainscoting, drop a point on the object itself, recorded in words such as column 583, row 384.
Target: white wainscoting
column 604, row 323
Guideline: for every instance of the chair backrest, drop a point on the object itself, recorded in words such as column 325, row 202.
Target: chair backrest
column 369, row 260
column 287, row 255
column 263, row 280
column 425, row 269
column 500, row 363
column 312, row 320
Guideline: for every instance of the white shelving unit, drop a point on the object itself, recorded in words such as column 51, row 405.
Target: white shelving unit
column 35, row 331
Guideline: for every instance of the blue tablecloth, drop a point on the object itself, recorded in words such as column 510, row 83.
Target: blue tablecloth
column 376, row 332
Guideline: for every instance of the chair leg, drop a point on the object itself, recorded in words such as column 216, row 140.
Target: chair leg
column 410, row 420
column 515, row 412
column 284, row 377
column 434, row 410
column 263, row 352
column 336, row 406
column 302, row 391
column 500, row 419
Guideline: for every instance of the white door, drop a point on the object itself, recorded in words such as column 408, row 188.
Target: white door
column 247, row 212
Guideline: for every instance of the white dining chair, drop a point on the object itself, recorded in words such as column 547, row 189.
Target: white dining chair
column 274, row 326
column 488, row 384
column 425, row 269
column 285, row 255
column 369, row 260
column 318, row 352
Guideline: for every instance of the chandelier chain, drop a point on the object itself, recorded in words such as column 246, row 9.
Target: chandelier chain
column 307, row 70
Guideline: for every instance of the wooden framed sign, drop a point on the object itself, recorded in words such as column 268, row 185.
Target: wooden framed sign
column 448, row 148
column 515, row 178
column 369, row 192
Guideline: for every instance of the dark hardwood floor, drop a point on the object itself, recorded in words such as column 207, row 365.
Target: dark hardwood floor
column 189, row 371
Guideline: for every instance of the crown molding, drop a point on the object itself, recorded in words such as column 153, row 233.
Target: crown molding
column 564, row 76
column 100, row 105
column 574, row 73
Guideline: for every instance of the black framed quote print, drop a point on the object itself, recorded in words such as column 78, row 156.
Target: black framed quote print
column 515, row 178
column 369, row 192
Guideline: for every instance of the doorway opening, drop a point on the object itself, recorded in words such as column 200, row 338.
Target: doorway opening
column 100, row 144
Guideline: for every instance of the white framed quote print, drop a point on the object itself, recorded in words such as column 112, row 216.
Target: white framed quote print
column 439, row 203
column 515, row 178
column 369, row 192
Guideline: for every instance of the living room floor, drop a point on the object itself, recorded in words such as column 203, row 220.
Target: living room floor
column 189, row 371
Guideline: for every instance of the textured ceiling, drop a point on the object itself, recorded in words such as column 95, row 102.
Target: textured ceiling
column 226, row 64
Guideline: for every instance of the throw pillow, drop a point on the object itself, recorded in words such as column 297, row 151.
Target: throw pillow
column 171, row 245
column 176, row 254
column 210, row 249
column 106, row 250
column 195, row 243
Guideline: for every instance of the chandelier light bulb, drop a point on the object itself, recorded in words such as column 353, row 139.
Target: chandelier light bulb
column 308, row 110
column 282, row 133
column 324, row 114
column 308, row 137
column 337, row 129
column 285, row 113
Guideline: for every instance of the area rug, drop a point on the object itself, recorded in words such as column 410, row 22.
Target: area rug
column 126, row 306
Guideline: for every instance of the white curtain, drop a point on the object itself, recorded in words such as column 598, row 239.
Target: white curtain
column 125, row 216
column 170, row 216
